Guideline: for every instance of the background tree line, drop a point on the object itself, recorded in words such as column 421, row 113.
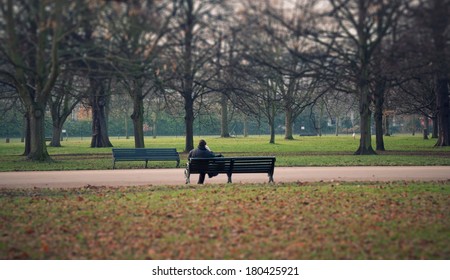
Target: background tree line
column 191, row 60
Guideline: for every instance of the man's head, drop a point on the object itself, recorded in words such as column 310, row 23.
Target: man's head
column 202, row 143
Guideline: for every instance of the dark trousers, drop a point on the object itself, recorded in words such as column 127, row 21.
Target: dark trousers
column 201, row 178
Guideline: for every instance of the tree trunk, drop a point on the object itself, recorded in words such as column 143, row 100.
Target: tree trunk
column 58, row 120
column 379, row 131
column 36, row 69
column 365, row 100
column 289, row 123
column 379, row 102
column 38, row 149
column 435, row 131
column 100, row 136
column 61, row 105
column 365, row 142
column 272, row 132
column 224, row 131
column 189, row 122
column 440, row 23
column 56, row 134
column 138, row 117
column 272, row 112
column 443, row 117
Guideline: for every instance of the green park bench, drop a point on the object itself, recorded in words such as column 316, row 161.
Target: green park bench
column 230, row 166
column 145, row 154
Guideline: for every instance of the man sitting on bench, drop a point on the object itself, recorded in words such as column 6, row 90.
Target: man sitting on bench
column 202, row 151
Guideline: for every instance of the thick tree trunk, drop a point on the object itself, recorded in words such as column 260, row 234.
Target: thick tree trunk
column 138, row 124
column 365, row 100
column 138, row 118
column 435, row 132
column 365, row 143
column 439, row 25
column 189, row 122
column 38, row 149
column 379, row 102
column 100, row 136
column 289, row 123
column 379, row 131
column 379, row 127
column 379, row 95
column 443, row 117
column 56, row 134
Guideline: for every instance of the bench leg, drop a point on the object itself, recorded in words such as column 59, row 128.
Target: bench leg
column 114, row 164
column 271, row 178
column 187, row 176
column 146, row 163
column 229, row 178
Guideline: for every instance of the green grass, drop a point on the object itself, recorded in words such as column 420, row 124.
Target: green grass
column 304, row 151
column 285, row 221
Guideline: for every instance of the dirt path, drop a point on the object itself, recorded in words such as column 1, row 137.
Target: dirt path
column 135, row 177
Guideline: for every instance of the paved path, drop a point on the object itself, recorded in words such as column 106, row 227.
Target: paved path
column 135, row 177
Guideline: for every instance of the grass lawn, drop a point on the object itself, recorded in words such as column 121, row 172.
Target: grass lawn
column 401, row 220
column 304, row 151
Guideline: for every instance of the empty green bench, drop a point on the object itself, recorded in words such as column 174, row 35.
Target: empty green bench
column 145, row 154
column 230, row 166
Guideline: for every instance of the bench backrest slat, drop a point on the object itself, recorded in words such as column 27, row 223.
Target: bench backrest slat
column 233, row 165
column 145, row 152
column 254, row 165
column 221, row 165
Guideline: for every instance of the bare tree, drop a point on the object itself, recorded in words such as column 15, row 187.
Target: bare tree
column 291, row 53
column 419, row 64
column 89, row 57
column 67, row 93
column 190, row 58
column 31, row 42
column 137, row 29
column 434, row 15
column 360, row 27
